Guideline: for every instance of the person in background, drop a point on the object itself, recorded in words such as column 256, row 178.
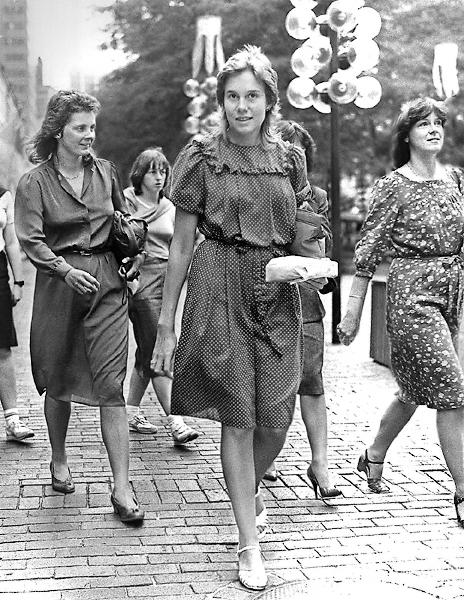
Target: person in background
column 417, row 214
column 311, row 390
column 16, row 430
column 63, row 214
column 240, row 351
column 146, row 199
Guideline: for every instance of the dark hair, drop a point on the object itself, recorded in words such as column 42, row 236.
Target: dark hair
column 59, row 110
column 410, row 114
column 144, row 162
column 251, row 58
column 293, row 132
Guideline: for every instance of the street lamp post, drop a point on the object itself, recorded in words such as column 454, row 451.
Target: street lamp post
column 348, row 52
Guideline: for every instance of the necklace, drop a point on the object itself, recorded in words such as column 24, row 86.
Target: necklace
column 74, row 176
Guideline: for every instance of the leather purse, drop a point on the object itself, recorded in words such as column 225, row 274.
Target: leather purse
column 309, row 237
column 128, row 235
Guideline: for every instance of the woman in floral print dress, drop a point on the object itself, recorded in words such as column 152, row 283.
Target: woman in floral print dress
column 417, row 213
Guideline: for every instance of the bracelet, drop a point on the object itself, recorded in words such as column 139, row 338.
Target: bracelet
column 19, row 283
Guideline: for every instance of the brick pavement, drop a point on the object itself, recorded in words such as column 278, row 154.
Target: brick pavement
column 55, row 547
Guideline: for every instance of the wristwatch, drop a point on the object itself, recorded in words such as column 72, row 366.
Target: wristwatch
column 19, row 283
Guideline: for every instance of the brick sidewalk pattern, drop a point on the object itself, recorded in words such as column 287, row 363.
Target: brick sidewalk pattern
column 56, row 547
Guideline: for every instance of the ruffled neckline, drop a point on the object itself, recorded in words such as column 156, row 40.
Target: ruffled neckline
column 226, row 156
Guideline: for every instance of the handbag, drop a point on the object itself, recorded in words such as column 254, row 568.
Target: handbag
column 128, row 235
column 309, row 237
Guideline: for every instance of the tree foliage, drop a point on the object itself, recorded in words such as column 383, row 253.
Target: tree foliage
column 143, row 103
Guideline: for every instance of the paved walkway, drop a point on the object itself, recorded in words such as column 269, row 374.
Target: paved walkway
column 55, row 547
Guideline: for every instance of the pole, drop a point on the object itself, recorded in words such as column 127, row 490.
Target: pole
column 335, row 192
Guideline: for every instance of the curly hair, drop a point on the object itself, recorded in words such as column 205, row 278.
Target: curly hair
column 412, row 112
column 251, row 58
column 293, row 132
column 145, row 161
column 59, row 110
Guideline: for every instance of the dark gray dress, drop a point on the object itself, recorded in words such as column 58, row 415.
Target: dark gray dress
column 239, row 356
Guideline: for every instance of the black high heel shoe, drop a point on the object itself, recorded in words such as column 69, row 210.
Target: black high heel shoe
column 324, row 493
column 128, row 515
column 64, row 486
column 457, row 501
column 375, row 484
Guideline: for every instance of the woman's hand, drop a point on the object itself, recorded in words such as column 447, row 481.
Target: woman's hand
column 81, row 282
column 16, row 294
column 348, row 328
column 162, row 362
column 131, row 266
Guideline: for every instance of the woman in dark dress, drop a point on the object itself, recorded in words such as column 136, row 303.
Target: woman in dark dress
column 64, row 212
column 239, row 356
column 417, row 214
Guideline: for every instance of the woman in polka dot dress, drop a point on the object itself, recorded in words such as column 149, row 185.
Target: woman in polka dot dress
column 417, row 213
column 239, row 356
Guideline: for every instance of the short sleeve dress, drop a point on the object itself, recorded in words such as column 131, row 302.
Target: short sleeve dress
column 421, row 223
column 239, row 356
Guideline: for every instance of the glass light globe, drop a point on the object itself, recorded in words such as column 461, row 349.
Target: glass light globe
column 192, row 125
column 191, row 88
column 300, row 92
column 341, row 16
column 321, row 49
column 197, row 105
column 342, row 88
column 369, row 23
column 303, row 62
column 300, row 23
column 363, row 54
column 369, row 92
column 305, row 4
column 322, row 101
column 210, row 85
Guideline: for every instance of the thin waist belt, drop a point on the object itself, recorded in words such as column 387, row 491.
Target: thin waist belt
column 87, row 252
column 243, row 245
column 446, row 259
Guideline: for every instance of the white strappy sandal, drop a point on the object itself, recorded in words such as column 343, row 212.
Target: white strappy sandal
column 262, row 520
column 252, row 579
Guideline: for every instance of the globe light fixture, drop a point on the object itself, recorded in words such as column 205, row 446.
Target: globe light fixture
column 304, row 4
column 301, row 92
column 207, row 58
column 340, row 42
column 300, row 23
column 369, row 92
column 369, row 23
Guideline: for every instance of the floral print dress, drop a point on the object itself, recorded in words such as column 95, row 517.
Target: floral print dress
column 421, row 224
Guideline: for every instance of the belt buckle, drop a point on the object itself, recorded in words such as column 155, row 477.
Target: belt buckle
column 85, row 253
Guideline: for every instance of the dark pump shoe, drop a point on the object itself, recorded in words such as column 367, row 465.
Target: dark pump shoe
column 64, row 486
column 127, row 515
column 322, row 492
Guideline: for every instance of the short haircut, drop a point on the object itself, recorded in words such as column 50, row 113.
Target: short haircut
column 295, row 133
column 145, row 161
column 412, row 112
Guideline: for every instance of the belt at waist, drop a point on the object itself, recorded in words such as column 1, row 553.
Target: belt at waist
column 243, row 245
column 445, row 259
column 87, row 251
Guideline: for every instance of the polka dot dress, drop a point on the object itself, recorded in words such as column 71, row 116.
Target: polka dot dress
column 239, row 356
column 422, row 224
